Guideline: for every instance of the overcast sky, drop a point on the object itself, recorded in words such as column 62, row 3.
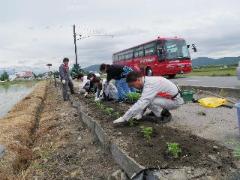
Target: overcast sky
column 33, row 33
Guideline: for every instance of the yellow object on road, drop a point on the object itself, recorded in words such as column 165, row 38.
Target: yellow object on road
column 212, row 102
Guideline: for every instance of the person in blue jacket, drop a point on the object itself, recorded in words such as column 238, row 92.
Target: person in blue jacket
column 119, row 74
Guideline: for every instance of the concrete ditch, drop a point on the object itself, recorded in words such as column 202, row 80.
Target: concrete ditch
column 223, row 91
column 129, row 165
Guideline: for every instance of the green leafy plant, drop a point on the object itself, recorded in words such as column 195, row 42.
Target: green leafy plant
column 133, row 96
column 99, row 105
column 109, row 111
column 147, row 132
column 132, row 122
column 236, row 152
column 174, row 149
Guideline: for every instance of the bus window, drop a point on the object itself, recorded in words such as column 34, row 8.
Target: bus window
column 176, row 49
column 150, row 49
column 129, row 54
column 139, row 52
column 115, row 57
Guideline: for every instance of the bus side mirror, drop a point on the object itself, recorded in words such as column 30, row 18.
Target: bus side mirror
column 160, row 51
column 194, row 48
column 160, row 54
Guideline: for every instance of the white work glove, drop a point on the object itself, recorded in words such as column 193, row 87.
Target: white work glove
column 63, row 81
column 138, row 117
column 119, row 120
column 147, row 112
column 96, row 99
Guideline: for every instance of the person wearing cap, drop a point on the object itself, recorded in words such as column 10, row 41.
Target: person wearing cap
column 159, row 96
column 65, row 79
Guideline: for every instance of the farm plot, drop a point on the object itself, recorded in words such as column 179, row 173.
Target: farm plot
column 153, row 144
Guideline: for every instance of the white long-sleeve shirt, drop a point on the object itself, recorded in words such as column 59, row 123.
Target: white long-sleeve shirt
column 153, row 87
column 84, row 82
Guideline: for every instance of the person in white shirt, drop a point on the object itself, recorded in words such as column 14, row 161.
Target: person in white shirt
column 106, row 91
column 84, row 83
column 159, row 95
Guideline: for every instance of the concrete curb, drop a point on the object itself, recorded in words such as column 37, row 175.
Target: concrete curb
column 128, row 164
column 228, row 92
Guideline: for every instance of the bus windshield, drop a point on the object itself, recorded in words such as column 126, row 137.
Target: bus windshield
column 176, row 49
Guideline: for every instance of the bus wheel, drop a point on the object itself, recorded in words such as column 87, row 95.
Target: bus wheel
column 172, row 76
column 149, row 72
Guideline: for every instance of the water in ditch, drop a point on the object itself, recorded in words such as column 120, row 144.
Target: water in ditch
column 10, row 94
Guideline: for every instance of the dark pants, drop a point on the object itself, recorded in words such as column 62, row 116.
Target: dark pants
column 65, row 87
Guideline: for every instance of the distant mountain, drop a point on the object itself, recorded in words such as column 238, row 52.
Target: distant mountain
column 205, row 61
column 92, row 68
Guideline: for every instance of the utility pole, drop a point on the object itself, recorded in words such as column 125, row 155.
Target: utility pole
column 75, row 44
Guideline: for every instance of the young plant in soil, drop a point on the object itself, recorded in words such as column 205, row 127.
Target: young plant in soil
column 236, row 153
column 174, row 149
column 109, row 111
column 132, row 122
column 147, row 132
column 133, row 97
column 99, row 105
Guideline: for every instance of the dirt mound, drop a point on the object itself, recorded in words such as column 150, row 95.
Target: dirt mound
column 16, row 129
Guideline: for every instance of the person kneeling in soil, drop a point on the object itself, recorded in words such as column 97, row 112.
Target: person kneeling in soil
column 87, row 84
column 84, row 83
column 118, row 73
column 105, row 91
column 159, row 95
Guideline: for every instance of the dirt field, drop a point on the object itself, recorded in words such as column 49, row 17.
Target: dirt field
column 64, row 148
column 61, row 147
column 213, row 159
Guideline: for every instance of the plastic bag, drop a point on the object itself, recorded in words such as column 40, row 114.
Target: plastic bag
column 212, row 102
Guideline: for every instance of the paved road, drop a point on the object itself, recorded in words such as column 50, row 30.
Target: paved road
column 227, row 82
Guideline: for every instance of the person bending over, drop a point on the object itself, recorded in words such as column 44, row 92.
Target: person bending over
column 159, row 95
column 118, row 73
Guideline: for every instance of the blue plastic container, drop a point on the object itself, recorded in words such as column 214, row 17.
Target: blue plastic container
column 238, row 114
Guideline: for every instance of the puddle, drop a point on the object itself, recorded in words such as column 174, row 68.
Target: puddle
column 12, row 94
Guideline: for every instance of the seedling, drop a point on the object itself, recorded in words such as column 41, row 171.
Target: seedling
column 109, row 111
column 132, row 122
column 147, row 132
column 99, row 105
column 236, row 152
column 133, row 96
column 174, row 149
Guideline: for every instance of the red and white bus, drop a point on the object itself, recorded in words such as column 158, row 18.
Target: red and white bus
column 160, row 57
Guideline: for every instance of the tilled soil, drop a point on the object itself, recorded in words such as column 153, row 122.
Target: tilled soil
column 64, row 148
column 196, row 152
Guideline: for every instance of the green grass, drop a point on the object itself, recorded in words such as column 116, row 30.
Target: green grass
column 213, row 71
